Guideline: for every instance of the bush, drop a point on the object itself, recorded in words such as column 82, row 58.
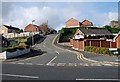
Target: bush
column 97, row 50
column 11, row 49
column 12, row 45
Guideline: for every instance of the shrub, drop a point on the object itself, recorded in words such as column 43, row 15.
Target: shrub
column 11, row 49
column 12, row 45
column 97, row 50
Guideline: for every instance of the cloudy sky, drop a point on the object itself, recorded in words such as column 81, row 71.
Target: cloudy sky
column 19, row 14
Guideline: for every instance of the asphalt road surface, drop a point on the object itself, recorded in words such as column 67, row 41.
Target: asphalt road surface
column 56, row 64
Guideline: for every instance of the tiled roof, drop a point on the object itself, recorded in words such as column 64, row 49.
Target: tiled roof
column 95, row 31
column 10, row 27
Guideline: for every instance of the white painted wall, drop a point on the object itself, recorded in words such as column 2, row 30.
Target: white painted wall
column 13, row 35
column 5, row 55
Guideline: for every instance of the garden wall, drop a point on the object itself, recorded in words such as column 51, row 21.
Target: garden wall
column 6, row 55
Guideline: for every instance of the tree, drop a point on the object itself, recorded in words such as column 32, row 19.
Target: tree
column 21, row 30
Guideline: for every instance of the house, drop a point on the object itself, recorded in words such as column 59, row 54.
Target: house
column 3, row 30
column 12, row 29
column 72, row 23
column 94, row 37
column 44, row 28
column 31, row 28
column 86, row 23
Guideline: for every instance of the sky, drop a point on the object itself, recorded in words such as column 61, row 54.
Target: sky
column 20, row 14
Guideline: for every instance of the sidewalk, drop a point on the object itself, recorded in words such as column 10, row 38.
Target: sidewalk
column 93, row 56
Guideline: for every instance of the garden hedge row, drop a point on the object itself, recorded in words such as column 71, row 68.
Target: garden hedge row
column 97, row 50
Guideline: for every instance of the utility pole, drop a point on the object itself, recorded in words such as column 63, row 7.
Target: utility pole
column 32, row 33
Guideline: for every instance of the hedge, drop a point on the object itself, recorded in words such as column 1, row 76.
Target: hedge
column 97, row 50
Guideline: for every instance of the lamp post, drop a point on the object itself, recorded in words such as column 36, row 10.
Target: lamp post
column 32, row 33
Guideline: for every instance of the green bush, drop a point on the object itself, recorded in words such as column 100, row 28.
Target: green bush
column 12, row 45
column 11, row 49
column 97, row 50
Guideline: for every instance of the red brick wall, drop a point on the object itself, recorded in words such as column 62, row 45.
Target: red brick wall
column 113, row 44
column 95, row 43
column 31, row 28
column 118, row 41
column 71, row 41
column 86, row 23
column 72, row 22
column 81, row 45
column 87, row 43
column 104, row 43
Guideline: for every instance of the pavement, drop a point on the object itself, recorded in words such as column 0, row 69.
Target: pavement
column 101, row 58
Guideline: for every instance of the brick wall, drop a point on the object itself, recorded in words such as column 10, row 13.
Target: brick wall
column 71, row 41
column 86, row 23
column 118, row 41
column 102, row 43
column 81, row 45
column 31, row 28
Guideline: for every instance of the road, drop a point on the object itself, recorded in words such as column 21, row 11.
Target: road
column 56, row 64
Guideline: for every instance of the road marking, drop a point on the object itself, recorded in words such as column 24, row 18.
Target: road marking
column 51, row 60
column 72, row 64
column 51, row 64
column 95, row 64
column 39, row 64
column 20, row 63
column 100, row 79
column 44, row 42
column 29, row 63
column 24, row 76
column 61, row 64
column 44, row 46
column 57, row 52
column 85, row 64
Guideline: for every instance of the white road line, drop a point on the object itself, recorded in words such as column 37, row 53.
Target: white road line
column 29, row 63
column 51, row 60
column 72, row 64
column 57, row 52
column 24, row 76
column 39, row 64
column 51, row 64
column 100, row 79
column 20, row 63
column 44, row 42
column 61, row 64
column 44, row 46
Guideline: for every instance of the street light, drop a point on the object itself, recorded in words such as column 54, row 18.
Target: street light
column 32, row 33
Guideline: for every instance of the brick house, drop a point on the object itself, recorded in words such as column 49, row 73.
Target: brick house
column 31, row 28
column 3, row 30
column 86, row 23
column 9, row 29
column 72, row 23
column 95, row 37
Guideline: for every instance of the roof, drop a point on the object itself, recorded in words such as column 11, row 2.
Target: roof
column 91, row 24
column 86, row 20
column 95, row 31
column 10, row 27
column 116, row 36
column 72, row 19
